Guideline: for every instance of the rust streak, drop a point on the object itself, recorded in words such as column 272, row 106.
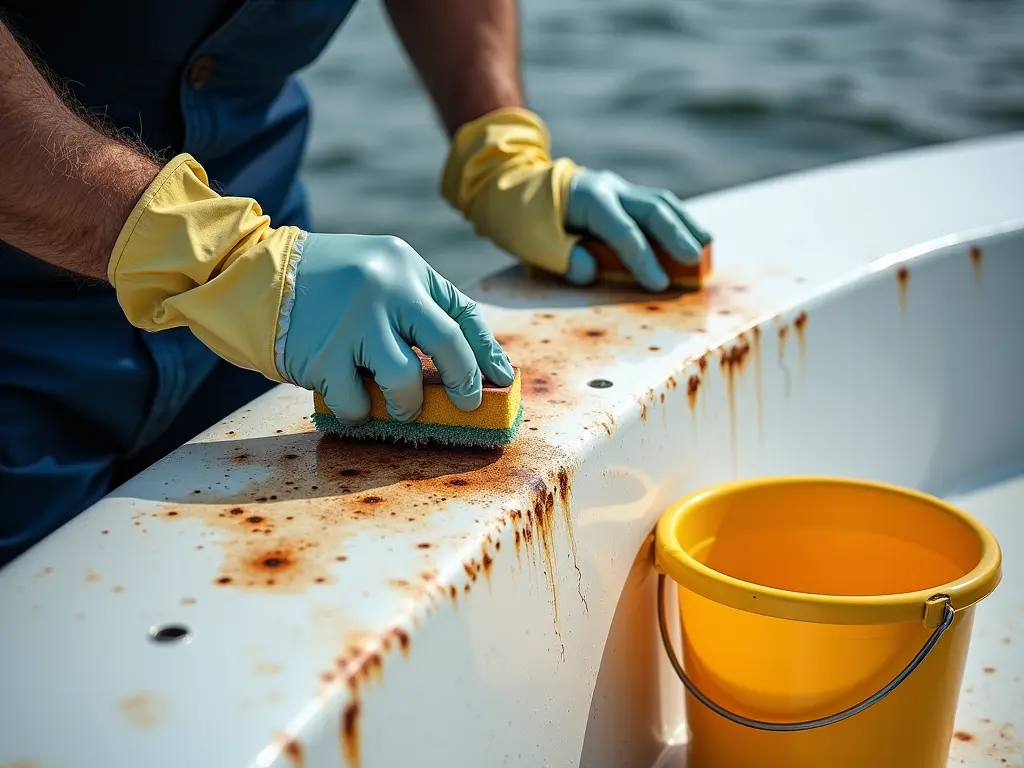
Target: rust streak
column 692, row 390
column 758, row 381
column 902, row 281
column 350, row 734
column 976, row 257
column 800, row 326
column 732, row 360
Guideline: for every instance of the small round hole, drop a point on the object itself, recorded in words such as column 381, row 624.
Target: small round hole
column 599, row 383
column 170, row 633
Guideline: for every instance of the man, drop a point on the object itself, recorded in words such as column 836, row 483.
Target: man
column 138, row 305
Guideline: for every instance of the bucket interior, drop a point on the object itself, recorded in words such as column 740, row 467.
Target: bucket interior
column 829, row 538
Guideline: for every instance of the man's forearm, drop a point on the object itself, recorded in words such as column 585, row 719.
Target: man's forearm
column 466, row 52
column 66, row 188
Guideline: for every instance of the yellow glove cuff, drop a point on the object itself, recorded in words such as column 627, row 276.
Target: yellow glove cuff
column 500, row 176
column 187, row 256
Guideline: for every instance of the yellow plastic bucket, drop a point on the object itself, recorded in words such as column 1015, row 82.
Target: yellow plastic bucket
column 825, row 621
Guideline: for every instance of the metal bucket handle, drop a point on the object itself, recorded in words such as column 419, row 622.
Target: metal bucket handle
column 805, row 725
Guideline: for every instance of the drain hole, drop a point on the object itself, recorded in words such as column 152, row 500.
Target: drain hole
column 170, row 633
column 599, row 383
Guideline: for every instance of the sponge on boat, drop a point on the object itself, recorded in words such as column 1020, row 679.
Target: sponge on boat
column 494, row 424
column 611, row 269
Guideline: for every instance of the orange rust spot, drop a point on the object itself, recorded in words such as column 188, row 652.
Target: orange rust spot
column 143, row 710
column 424, row 545
column 292, row 749
column 643, row 411
column 963, row 736
column 672, row 383
column 976, row 256
column 662, row 397
column 350, row 734
column 692, row 388
column 902, row 280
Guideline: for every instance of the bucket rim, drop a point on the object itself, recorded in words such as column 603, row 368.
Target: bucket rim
column 672, row 560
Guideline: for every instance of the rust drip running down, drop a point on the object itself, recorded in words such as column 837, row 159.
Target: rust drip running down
column 800, row 326
column 783, row 336
column 350, row 734
column 692, row 389
column 758, row 381
column 732, row 360
column 902, row 281
column 976, row 256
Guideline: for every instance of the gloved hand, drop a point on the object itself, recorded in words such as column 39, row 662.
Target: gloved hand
column 305, row 308
column 500, row 175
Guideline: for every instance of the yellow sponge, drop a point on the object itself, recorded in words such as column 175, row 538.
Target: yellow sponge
column 495, row 423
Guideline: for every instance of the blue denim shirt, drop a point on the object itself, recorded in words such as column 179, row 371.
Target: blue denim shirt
column 79, row 387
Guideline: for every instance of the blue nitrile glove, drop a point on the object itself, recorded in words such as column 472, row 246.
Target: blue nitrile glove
column 363, row 301
column 608, row 207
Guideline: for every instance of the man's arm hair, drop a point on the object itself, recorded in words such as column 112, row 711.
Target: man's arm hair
column 66, row 184
column 466, row 53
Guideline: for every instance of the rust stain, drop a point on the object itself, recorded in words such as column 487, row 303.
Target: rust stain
column 800, row 326
column 350, row 734
column 989, row 670
column 758, row 379
column 976, row 257
column 267, row 668
column 732, row 360
column 92, row 577
column 965, row 736
column 143, row 710
column 692, row 390
column 286, row 532
column 291, row 748
column 902, row 281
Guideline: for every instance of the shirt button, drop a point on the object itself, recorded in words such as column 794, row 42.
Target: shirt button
column 200, row 71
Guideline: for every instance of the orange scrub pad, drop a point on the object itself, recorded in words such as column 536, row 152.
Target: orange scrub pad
column 611, row 269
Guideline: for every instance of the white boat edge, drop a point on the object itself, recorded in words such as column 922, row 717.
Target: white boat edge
column 548, row 643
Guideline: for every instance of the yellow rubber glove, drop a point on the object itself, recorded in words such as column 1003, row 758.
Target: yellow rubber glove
column 501, row 176
column 311, row 309
column 187, row 256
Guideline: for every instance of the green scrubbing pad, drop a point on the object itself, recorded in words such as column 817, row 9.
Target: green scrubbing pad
column 494, row 424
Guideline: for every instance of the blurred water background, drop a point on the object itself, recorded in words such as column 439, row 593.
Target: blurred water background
column 693, row 95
